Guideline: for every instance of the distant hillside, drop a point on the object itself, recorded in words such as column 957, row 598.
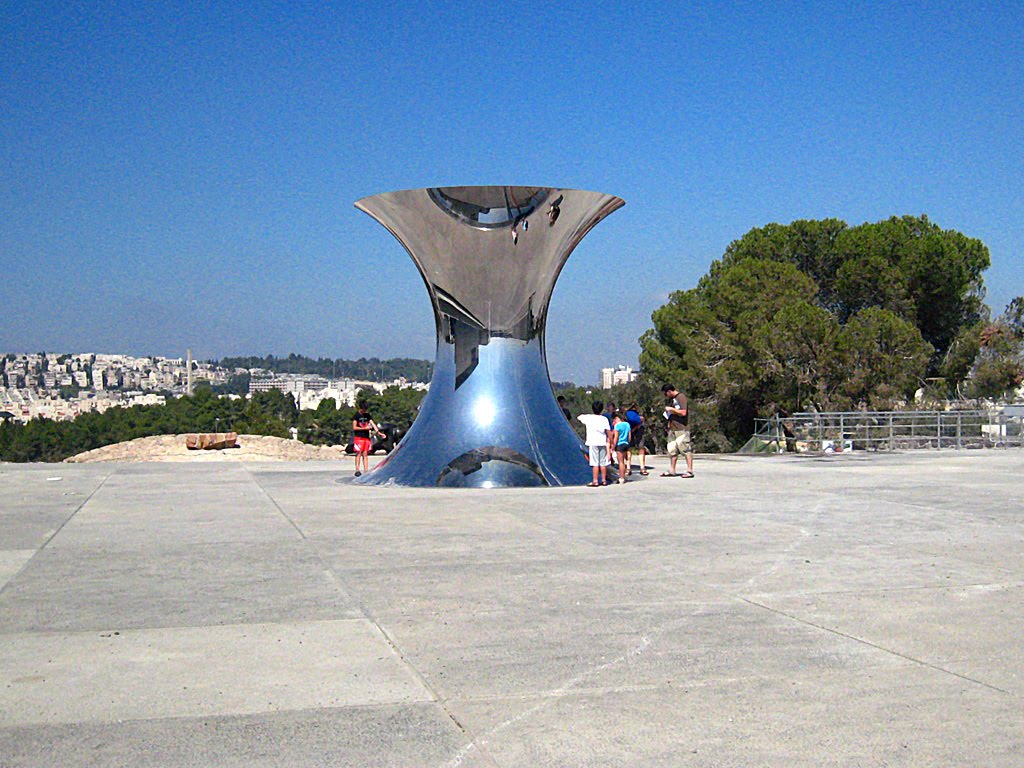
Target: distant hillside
column 367, row 369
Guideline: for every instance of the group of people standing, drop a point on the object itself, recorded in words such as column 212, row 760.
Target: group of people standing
column 610, row 432
column 618, row 433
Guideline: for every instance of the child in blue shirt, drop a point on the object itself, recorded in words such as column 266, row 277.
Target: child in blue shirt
column 621, row 428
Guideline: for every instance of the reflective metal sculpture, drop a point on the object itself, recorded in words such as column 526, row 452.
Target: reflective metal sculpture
column 489, row 257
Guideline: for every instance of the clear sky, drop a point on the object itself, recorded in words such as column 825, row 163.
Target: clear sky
column 182, row 174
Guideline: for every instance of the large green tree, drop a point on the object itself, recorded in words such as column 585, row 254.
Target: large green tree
column 908, row 265
column 818, row 314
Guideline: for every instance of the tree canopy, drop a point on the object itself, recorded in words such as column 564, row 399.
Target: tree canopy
column 819, row 314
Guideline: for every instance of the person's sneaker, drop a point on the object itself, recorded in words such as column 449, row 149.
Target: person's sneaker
column 358, row 473
column 622, row 481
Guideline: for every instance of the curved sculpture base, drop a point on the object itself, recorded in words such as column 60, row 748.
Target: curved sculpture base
column 500, row 427
column 489, row 257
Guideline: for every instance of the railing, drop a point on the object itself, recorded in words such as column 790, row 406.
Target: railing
column 888, row 431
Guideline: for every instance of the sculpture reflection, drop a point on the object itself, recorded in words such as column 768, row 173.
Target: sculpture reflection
column 490, row 257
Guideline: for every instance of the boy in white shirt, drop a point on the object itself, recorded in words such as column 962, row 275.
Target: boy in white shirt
column 599, row 441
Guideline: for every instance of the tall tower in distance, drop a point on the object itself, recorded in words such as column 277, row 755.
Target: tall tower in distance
column 188, row 374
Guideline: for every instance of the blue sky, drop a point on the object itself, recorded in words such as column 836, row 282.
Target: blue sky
column 182, row 175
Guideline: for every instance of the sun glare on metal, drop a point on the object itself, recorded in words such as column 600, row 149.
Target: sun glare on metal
column 484, row 412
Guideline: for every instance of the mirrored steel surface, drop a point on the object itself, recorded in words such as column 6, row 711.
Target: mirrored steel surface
column 490, row 257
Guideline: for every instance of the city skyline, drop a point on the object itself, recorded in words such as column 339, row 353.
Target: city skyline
column 178, row 179
column 63, row 386
column 618, row 372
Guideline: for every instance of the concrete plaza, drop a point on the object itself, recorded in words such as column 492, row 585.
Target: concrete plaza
column 855, row 610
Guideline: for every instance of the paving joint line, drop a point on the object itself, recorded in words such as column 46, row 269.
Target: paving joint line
column 870, row 644
column 339, row 585
column 277, row 506
column 60, row 528
column 573, row 685
column 1013, row 584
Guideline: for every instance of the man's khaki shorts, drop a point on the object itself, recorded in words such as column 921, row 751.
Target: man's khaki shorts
column 679, row 442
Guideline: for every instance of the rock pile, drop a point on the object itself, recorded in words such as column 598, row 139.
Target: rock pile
column 173, row 448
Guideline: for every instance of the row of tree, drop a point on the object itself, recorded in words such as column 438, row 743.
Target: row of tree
column 266, row 413
column 363, row 369
column 821, row 315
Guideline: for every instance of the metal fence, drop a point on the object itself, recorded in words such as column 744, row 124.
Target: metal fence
column 888, row 431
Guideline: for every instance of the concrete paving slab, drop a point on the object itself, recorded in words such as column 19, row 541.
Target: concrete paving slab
column 664, row 622
column 1004, row 671
column 817, row 567
column 380, row 550
column 189, row 671
column 354, row 509
column 476, row 587
column 1004, row 551
column 890, row 716
column 80, row 588
column 157, row 503
column 389, row 736
column 12, row 561
column 971, row 630
column 554, row 650
column 36, row 500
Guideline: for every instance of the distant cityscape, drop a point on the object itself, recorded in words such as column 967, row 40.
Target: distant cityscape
column 64, row 386
column 309, row 390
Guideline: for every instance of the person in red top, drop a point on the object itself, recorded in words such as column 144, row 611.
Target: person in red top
column 361, row 426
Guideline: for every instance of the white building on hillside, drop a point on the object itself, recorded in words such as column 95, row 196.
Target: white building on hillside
column 621, row 374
